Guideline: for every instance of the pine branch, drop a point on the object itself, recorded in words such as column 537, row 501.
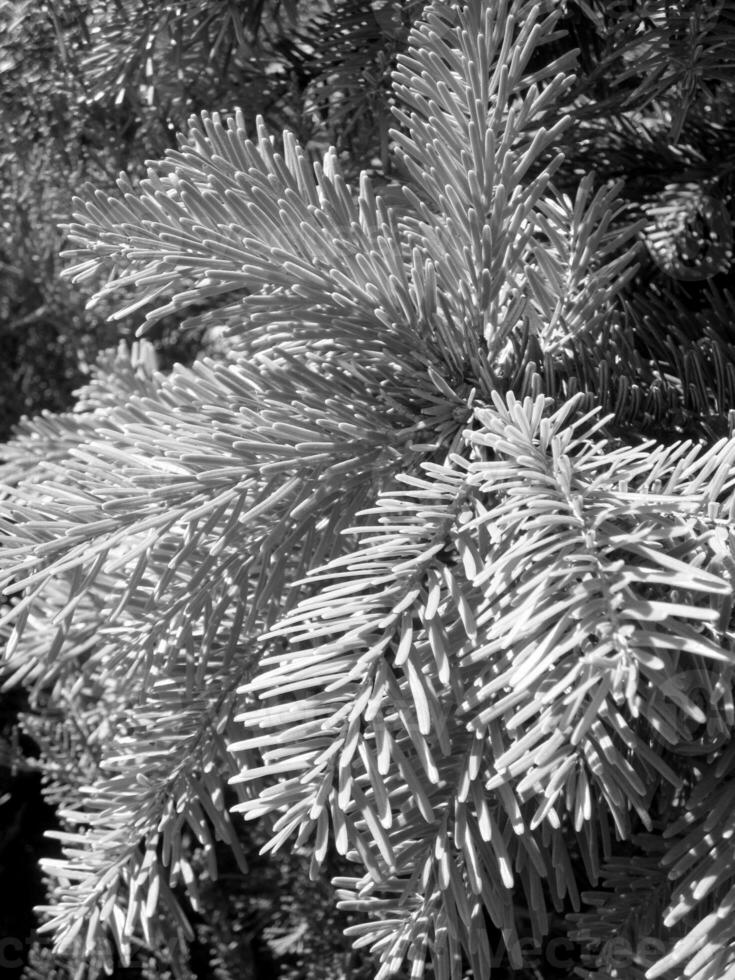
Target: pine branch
column 389, row 526
column 473, row 644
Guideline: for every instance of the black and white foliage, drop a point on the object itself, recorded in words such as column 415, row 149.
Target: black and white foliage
column 396, row 570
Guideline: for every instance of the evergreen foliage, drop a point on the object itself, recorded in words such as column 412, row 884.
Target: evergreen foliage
column 427, row 566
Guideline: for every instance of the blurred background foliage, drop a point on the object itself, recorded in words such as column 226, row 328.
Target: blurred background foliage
column 89, row 88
